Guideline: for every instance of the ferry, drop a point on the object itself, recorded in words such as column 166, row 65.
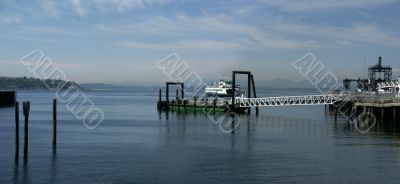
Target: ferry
column 223, row 88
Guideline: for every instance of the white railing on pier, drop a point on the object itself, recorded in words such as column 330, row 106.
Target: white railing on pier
column 286, row 101
column 390, row 84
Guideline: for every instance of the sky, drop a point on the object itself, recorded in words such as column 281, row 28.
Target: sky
column 114, row 41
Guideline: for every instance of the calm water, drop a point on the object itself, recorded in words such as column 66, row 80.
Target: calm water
column 135, row 144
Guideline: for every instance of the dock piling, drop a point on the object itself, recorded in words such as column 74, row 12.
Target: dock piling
column 54, row 123
column 26, row 107
column 16, row 131
column 214, row 105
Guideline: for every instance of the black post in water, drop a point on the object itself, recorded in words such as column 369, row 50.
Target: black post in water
column 159, row 95
column 214, row 105
column 26, row 108
column 336, row 113
column 249, row 91
column 182, row 90
column 16, row 131
column 54, row 123
column 254, row 91
column 233, row 91
column 167, row 94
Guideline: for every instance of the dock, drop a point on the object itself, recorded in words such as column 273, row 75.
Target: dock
column 7, row 98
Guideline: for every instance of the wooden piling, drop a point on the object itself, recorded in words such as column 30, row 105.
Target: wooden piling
column 26, row 108
column 16, row 131
column 159, row 95
column 194, row 105
column 248, row 91
column 254, row 91
column 54, row 123
column 214, row 105
column 394, row 118
column 336, row 114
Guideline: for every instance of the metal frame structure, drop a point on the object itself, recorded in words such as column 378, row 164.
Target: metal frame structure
column 167, row 84
column 378, row 68
column 286, row 101
column 250, row 87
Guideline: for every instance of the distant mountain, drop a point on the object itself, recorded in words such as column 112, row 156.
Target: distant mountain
column 103, row 86
column 283, row 83
column 274, row 83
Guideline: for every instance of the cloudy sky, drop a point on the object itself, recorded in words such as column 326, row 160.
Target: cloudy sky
column 122, row 40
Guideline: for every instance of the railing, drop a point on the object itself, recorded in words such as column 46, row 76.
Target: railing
column 390, row 84
column 286, row 101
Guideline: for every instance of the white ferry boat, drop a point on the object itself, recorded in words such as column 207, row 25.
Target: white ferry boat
column 223, row 88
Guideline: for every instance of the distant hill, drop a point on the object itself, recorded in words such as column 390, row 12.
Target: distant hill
column 103, row 86
column 30, row 83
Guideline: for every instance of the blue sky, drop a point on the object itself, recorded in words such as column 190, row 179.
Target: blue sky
column 121, row 40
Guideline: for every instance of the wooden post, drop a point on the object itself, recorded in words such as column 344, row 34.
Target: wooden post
column 16, row 131
column 167, row 97
column 26, row 108
column 159, row 95
column 336, row 112
column 382, row 116
column 194, row 105
column 233, row 91
column 254, row 91
column 54, row 123
column 182, row 90
column 214, row 105
column 394, row 118
column 249, row 91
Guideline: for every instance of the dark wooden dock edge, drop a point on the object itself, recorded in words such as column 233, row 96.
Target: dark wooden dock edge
column 7, row 98
column 387, row 114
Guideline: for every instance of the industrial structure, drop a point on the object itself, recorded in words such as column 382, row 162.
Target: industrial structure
column 376, row 74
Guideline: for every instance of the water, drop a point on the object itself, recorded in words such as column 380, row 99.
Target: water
column 135, row 144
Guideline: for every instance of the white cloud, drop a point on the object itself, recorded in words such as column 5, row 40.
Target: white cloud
column 49, row 29
column 204, row 45
column 78, row 8
column 218, row 31
column 312, row 5
column 49, row 7
column 358, row 32
column 9, row 19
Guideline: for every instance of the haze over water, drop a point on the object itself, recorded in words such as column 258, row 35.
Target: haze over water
column 136, row 144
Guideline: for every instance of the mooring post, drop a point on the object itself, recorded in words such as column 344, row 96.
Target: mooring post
column 182, row 90
column 394, row 117
column 159, row 95
column 382, row 116
column 184, row 105
column 233, row 91
column 254, row 91
column 26, row 108
column 194, row 105
column 16, row 131
column 214, row 105
column 336, row 113
column 249, row 91
column 54, row 123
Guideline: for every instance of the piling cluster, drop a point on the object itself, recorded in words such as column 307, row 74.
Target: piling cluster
column 26, row 106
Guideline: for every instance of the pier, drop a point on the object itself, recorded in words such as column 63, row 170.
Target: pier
column 384, row 108
column 7, row 98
